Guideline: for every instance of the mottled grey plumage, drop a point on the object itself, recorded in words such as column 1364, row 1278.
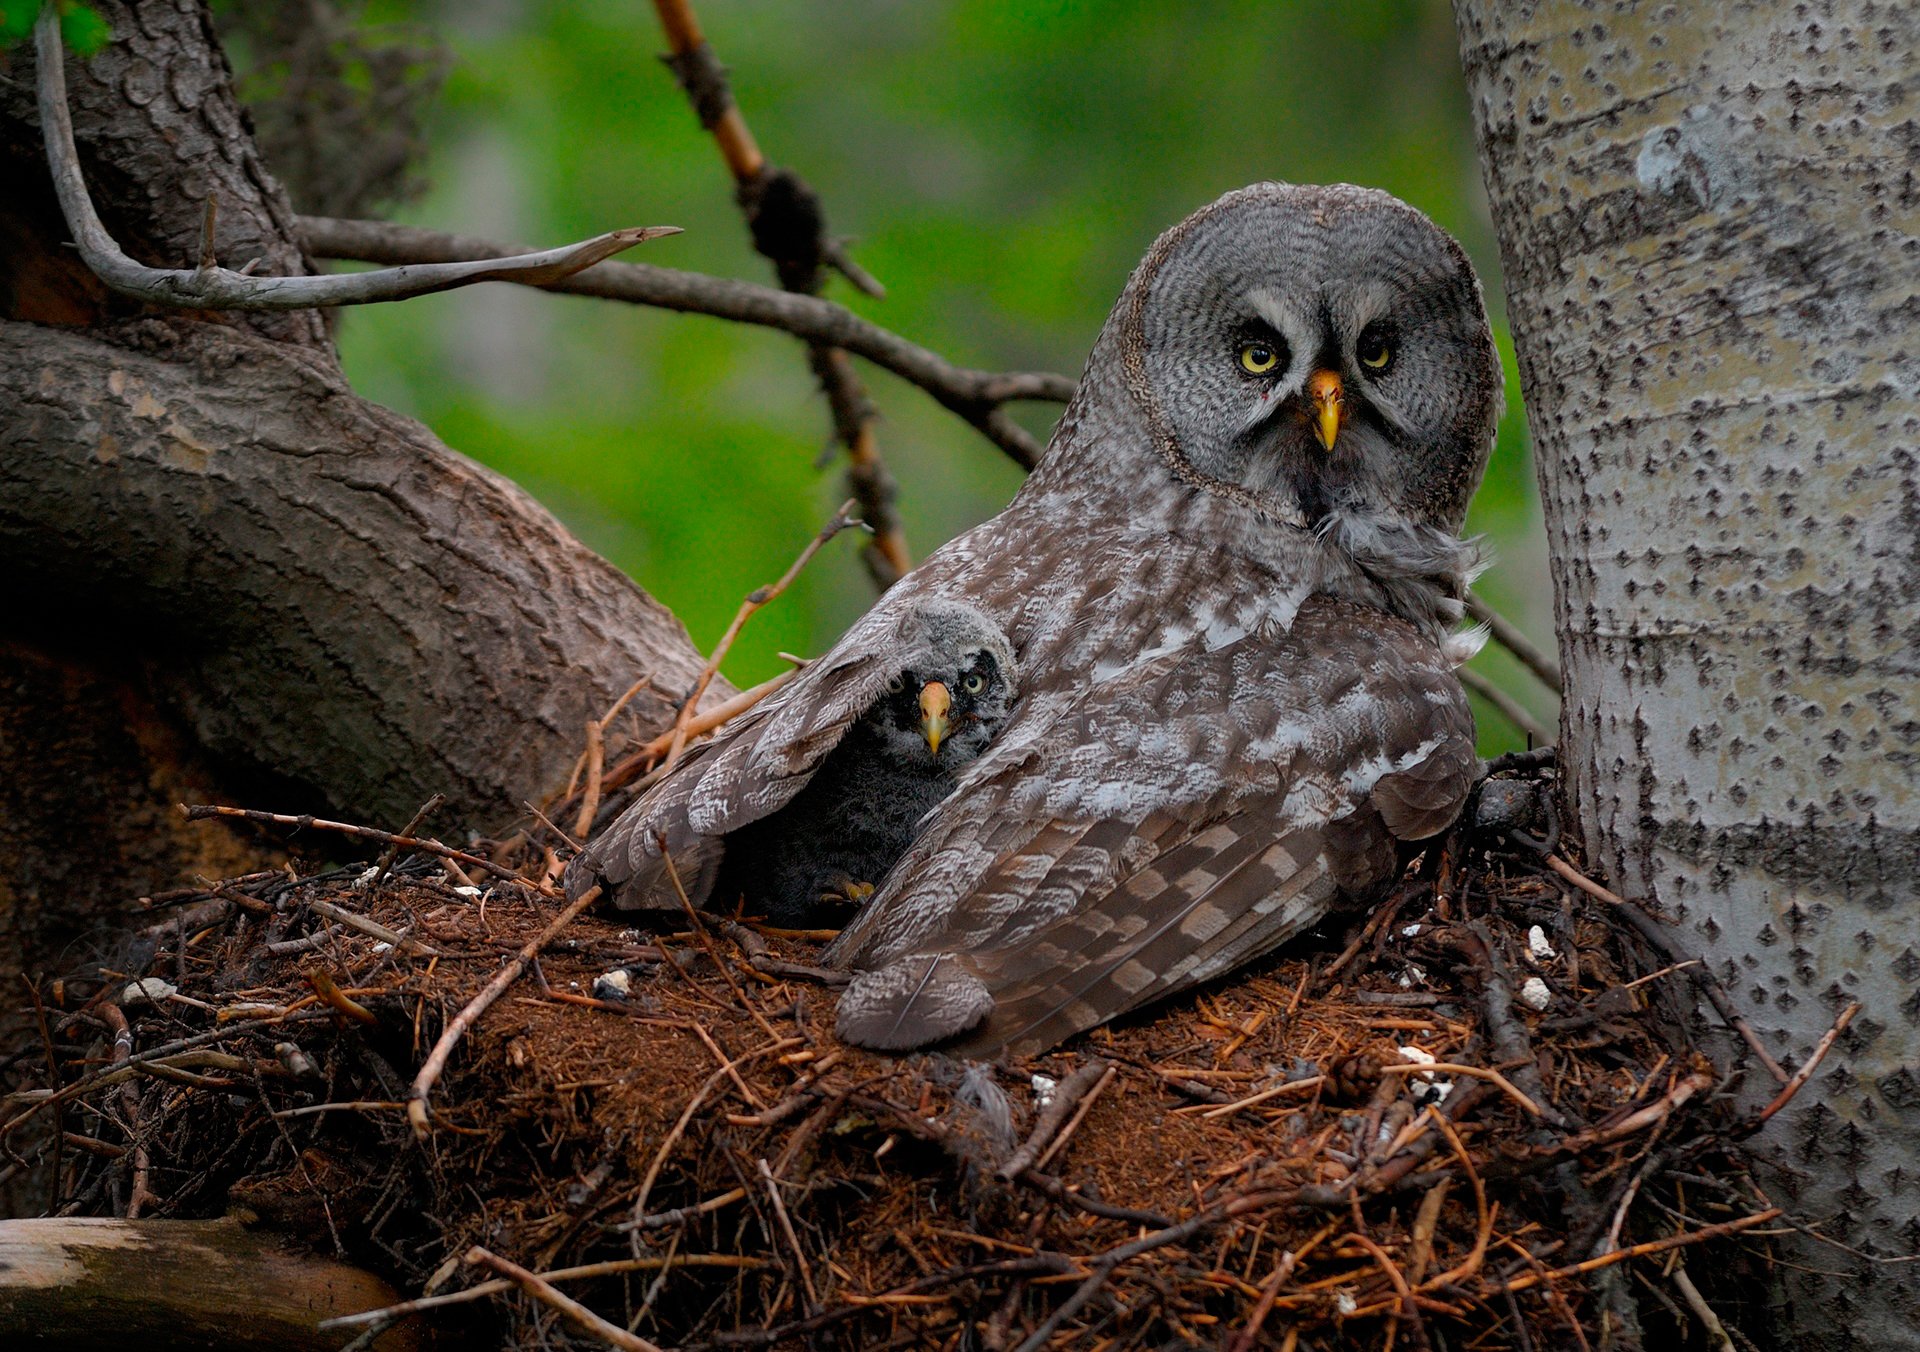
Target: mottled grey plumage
column 847, row 817
column 1236, row 676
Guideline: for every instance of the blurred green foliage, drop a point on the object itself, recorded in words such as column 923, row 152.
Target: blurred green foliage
column 1000, row 167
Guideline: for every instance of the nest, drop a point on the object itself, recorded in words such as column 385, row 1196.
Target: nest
column 1465, row 1120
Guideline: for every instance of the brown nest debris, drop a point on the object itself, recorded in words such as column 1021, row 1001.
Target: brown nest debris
column 1465, row 1121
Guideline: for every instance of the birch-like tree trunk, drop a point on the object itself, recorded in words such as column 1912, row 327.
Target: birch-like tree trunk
column 1710, row 226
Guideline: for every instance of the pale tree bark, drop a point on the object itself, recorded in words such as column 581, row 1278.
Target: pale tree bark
column 1710, row 227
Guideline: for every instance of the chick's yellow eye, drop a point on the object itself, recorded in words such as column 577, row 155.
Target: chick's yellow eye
column 974, row 683
column 1258, row 358
column 1375, row 354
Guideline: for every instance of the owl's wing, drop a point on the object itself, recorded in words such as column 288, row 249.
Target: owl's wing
column 750, row 770
column 1164, row 826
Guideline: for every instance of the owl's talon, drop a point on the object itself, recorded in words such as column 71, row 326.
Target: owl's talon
column 847, row 891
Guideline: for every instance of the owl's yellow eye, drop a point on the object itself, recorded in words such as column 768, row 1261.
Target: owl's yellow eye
column 1375, row 353
column 1258, row 359
column 974, row 683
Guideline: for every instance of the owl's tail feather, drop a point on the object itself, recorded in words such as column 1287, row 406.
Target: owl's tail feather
column 911, row 1002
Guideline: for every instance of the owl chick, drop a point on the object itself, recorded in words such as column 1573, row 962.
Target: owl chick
column 921, row 717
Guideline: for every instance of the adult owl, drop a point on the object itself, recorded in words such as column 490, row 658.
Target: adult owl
column 1230, row 586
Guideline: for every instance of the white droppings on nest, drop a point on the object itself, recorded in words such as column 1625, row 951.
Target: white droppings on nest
column 1344, row 1302
column 383, row 947
column 1415, row 975
column 367, row 879
column 467, row 890
column 1412, row 931
column 614, row 985
column 1043, row 1087
column 1427, row 1089
column 1535, row 995
column 1538, row 947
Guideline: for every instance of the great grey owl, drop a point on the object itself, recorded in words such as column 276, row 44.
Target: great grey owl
column 944, row 684
column 1230, row 585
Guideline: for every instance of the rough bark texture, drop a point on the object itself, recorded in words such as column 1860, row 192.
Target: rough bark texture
column 1711, row 232
column 277, row 588
column 82, row 1285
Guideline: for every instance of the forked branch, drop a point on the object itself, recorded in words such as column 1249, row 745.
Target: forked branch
column 211, row 287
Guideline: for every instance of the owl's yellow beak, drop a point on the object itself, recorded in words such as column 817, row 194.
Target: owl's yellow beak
column 1329, row 405
column 935, row 701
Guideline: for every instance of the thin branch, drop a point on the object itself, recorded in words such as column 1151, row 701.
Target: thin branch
column 788, row 225
column 757, row 598
column 1508, row 707
column 1507, row 634
column 210, row 287
column 426, row 844
column 976, row 396
column 548, row 1294
column 1812, row 1063
column 443, row 1049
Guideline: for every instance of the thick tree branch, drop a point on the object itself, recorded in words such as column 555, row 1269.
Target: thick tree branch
column 210, row 287
column 1507, row 634
column 975, row 395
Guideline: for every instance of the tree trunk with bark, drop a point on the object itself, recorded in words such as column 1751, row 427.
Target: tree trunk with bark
column 263, row 583
column 1710, row 227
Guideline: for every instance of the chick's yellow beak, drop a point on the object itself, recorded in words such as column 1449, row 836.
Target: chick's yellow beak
column 1328, row 405
column 935, row 702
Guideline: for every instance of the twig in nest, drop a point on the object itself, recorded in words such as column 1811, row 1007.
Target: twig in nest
column 757, row 598
column 786, row 1229
column 412, row 828
column 436, row 1061
column 1802, row 1075
column 372, row 928
column 325, row 987
column 209, row 287
column 1656, row 934
column 1507, row 634
column 1066, row 1097
column 1699, row 1236
column 631, row 766
column 789, row 230
column 139, row 1194
column 201, row 811
column 550, row 1295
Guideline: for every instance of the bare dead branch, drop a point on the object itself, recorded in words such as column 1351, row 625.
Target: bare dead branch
column 1507, row 634
column 976, row 396
column 210, row 287
column 788, row 225
column 1508, row 707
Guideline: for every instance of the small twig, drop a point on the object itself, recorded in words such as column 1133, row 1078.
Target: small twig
column 635, row 762
column 975, row 396
column 1506, row 705
column 548, row 1294
column 414, row 823
column 209, row 287
column 1409, row 1305
column 1716, row 1331
column 1270, row 1092
column 596, row 764
column 201, row 811
column 1507, row 634
column 436, row 1061
column 1812, row 1063
column 330, row 993
column 786, row 1229
column 1656, row 934
column 1083, row 1083
column 756, row 599
column 139, row 1194
column 1059, row 1142
column 372, row 928
column 1699, row 1236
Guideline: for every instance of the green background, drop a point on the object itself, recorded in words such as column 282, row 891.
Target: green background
column 999, row 166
